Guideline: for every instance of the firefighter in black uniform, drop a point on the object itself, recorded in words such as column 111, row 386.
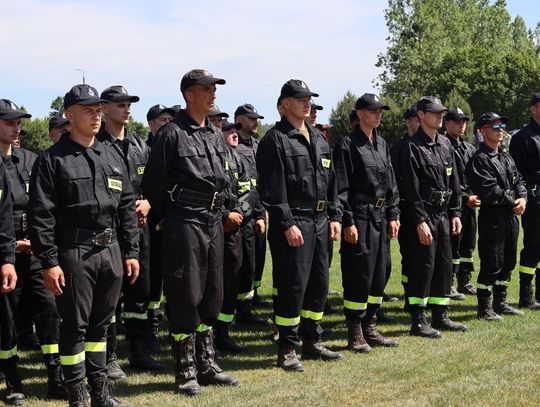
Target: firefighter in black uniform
column 233, row 250
column 254, row 226
column 492, row 175
column 10, row 116
column 525, row 150
column 411, row 122
column 133, row 152
column 368, row 192
column 39, row 301
column 185, row 180
column 298, row 188
column 463, row 244
column 430, row 188
column 81, row 221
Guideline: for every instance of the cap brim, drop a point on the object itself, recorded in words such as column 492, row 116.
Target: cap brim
column 211, row 81
column 436, row 109
column 91, row 101
column 254, row 115
column 458, row 117
column 60, row 123
column 375, row 106
column 15, row 115
column 236, row 126
column 316, row 107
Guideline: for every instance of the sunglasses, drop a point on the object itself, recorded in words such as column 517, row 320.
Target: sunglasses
column 498, row 126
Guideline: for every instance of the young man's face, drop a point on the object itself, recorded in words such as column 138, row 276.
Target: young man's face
column 456, row 128
column 85, row 119
column 162, row 119
column 9, row 130
column 118, row 112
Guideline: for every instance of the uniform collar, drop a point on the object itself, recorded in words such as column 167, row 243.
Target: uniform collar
column 535, row 125
column 16, row 155
column 484, row 148
column 426, row 139
column 109, row 139
column 184, row 118
column 363, row 138
column 78, row 149
column 288, row 128
column 454, row 141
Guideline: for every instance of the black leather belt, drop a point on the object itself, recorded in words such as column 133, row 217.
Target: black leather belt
column 315, row 206
column 99, row 238
column 372, row 200
column 437, row 198
column 206, row 200
column 20, row 223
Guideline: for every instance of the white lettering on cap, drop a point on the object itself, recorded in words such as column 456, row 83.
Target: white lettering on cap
column 91, row 92
column 123, row 90
column 376, row 98
column 13, row 106
column 459, row 111
column 303, row 85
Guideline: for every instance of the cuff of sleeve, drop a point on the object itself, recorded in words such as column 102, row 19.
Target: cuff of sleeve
column 49, row 263
column 10, row 258
column 287, row 223
column 132, row 255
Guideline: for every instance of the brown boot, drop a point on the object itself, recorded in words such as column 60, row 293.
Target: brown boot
column 357, row 343
column 373, row 336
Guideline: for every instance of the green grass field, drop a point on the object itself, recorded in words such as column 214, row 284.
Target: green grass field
column 494, row 364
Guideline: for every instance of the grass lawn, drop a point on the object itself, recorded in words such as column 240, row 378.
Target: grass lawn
column 494, row 364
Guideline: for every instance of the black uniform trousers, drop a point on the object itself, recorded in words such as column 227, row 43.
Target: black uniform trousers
column 300, row 279
column 430, row 267
column 156, row 281
column 248, row 270
column 232, row 264
column 463, row 244
column 498, row 231
column 93, row 278
column 192, row 261
column 363, row 269
column 530, row 254
column 260, row 258
column 404, row 239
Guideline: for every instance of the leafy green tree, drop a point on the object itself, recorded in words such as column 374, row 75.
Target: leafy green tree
column 339, row 117
column 138, row 128
column 455, row 100
column 57, row 107
column 36, row 138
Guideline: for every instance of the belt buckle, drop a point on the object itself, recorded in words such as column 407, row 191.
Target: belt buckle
column 320, row 206
column 107, row 236
column 24, row 223
column 171, row 192
column 379, row 203
column 214, row 198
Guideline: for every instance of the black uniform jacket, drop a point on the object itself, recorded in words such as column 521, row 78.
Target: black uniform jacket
column 237, row 175
column 7, row 234
column 395, row 154
column 291, row 169
column 493, row 176
column 427, row 167
column 365, row 168
column 463, row 152
column 191, row 157
column 73, row 186
column 525, row 150
column 247, row 150
column 133, row 151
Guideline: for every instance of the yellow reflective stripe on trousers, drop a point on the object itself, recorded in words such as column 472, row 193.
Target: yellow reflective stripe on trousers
column 438, row 300
column 502, row 282
column 180, row 337
column 315, row 316
column 203, row 328
column 70, row 360
column 153, row 305
column 417, row 301
column 274, row 291
column 484, row 287
column 245, row 296
column 466, row 259
column 49, row 349
column 374, row 300
column 287, row 321
column 95, row 346
column 404, row 278
column 225, row 317
column 456, row 261
column 526, row 270
column 6, row 354
column 355, row 306
column 113, row 319
column 134, row 315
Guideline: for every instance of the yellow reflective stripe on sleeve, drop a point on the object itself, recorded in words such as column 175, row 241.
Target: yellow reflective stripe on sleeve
column 95, row 346
column 374, row 300
column 484, row 287
column 180, row 337
column 417, row 301
column 203, row 328
column 526, row 270
column 315, row 316
column 70, row 360
column 134, row 315
column 404, row 278
column 6, row 354
column 244, row 186
column 113, row 319
column 49, row 349
column 502, row 282
column 287, row 321
column 225, row 317
column 355, row 306
column 274, row 291
column 466, row 259
column 245, row 296
column 456, row 261
column 438, row 300
column 153, row 305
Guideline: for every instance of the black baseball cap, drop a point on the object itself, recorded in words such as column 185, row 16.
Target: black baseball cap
column 489, row 117
column 10, row 111
column 410, row 112
column 315, row 106
column 535, row 98
column 227, row 125
column 156, row 110
column 216, row 112
column 57, row 121
column 247, row 110
column 297, row 89
column 199, row 77
column 82, row 95
column 430, row 104
column 118, row 93
column 456, row 114
column 370, row 101
column 176, row 108
column 352, row 116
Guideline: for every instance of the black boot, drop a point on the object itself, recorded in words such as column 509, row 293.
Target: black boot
column 485, row 310
column 223, row 341
column 373, row 336
column 419, row 324
column 287, row 360
column 314, row 350
column 442, row 322
column 139, row 358
column 14, row 389
column 383, row 318
column 259, row 301
column 55, row 386
column 101, row 394
column 526, row 298
column 356, row 340
column 500, row 306
column 185, row 367
column 245, row 314
column 209, row 372
column 114, row 371
column 77, row 394
column 465, row 286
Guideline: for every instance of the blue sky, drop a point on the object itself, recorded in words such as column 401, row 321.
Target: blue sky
column 147, row 46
